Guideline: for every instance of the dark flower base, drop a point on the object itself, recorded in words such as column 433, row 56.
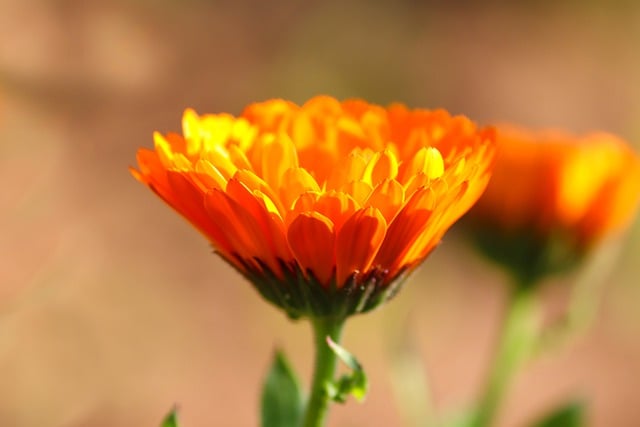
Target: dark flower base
column 301, row 295
column 529, row 258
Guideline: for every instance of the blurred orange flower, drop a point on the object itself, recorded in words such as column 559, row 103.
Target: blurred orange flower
column 322, row 206
column 554, row 187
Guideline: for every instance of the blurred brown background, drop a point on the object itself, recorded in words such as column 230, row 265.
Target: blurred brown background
column 112, row 309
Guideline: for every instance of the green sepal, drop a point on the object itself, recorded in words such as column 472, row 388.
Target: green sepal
column 171, row 420
column 568, row 415
column 282, row 399
column 529, row 258
column 355, row 384
column 300, row 293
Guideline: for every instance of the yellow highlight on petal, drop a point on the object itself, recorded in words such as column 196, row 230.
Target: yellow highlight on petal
column 220, row 159
column 268, row 203
column 215, row 129
column 191, row 131
column 243, row 133
column 383, row 165
column 581, row 179
column 163, row 149
column 427, row 161
column 433, row 164
column 295, row 182
column 206, row 168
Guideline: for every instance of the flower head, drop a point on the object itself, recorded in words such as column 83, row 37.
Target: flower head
column 324, row 206
column 553, row 197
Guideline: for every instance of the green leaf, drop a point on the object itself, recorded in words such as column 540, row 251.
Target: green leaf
column 171, row 420
column 568, row 415
column 355, row 384
column 282, row 400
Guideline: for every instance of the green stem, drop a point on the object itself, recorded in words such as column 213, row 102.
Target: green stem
column 518, row 336
column 324, row 371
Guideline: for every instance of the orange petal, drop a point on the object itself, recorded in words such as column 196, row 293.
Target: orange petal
column 239, row 158
column 312, row 241
column 383, row 165
column 337, row 206
column 278, row 155
column 244, row 234
column 262, row 222
column 304, row 203
column 351, row 169
column 358, row 242
column 163, row 149
column 387, row 197
column 214, row 179
column 302, row 130
column 295, row 182
column 277, row 231
column 189, row 201
column 416, row 181
column 359, row 190
column 151, row 168
column 219, row 158
column 255, row 183
column 406, row 228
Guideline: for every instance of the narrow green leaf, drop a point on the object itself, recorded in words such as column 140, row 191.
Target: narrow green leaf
column 171, row 420
column 355, row 384
column 568, row 415
column 282, row 400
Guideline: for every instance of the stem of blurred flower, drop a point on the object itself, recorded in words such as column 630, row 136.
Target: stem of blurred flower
column 518, row 336
column 324, row 370
column 584, row 302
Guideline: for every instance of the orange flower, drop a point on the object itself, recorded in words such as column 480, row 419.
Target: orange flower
column 556, row 188
column 322, row 206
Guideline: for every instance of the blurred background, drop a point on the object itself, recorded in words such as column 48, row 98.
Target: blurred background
column 112, row 309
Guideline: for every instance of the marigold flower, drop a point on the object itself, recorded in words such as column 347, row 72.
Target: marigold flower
column 554, row 196
column 324, row 206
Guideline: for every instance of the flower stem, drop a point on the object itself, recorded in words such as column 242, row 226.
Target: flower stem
column 517, row 339
column 324, row 371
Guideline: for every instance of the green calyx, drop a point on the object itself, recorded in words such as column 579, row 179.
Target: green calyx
column 300, row 294
column 529, row 257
